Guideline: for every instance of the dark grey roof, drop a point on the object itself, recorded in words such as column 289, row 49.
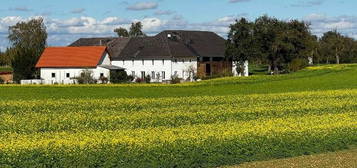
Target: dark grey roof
column 200, row 43
column 182, row 44
column 92, row 41
column 111, row 67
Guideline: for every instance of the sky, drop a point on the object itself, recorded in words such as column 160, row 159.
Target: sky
column 68, row 20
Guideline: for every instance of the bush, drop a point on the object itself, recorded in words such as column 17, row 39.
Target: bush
column 147, row 79
column 131, row 78
column 119, row 77
column 139, row 80
column 175, row 79
column 86, row 77
column 297, row 64
column 103, row 80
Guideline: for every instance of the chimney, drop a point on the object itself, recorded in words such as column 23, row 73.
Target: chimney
column 100, row 42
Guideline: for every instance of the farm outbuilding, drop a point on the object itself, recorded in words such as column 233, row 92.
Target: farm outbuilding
column 63, row 64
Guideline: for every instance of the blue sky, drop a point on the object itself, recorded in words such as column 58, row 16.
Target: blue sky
column 67, row 20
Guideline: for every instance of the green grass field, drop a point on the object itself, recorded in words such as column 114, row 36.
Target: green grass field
column 211, row 123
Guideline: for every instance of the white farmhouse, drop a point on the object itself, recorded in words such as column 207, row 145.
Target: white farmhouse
column 173, row 53
column 170, row 53
column 62, row 64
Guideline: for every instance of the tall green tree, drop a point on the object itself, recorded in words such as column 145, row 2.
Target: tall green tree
column 269, row 37
column 332, row 43
column 281, row 42
column 28, row 40
column 134, row 31
column 122, row 32
column 240, row 43
column 2, row 58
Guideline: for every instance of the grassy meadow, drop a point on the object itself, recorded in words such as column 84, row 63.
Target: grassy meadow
column 212, row 123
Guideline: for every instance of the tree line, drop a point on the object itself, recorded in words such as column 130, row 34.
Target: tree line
column 286, row 45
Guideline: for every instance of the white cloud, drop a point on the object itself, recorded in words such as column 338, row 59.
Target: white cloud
column 20, row 9
column 315, row 17
column 78, row 11
column 164, row 12
column 321, row 23
column 143, row 6
column 308, row 3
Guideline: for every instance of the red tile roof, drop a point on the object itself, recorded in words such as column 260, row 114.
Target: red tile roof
column 71, row 57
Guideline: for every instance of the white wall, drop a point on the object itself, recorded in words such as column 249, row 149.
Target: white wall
column 182, row 68
column 105, row 60
column 60, row 73
column 157, row 66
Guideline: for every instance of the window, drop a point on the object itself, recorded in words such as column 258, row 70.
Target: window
column 53, row 75
column 153, row 62
column 68, row 75
column 163, row 62
column 143, row 74
column 163, row 75
column 175, row 61
column 133, row 73
column 101, row 75
column 153, row 74
column 143, row 62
